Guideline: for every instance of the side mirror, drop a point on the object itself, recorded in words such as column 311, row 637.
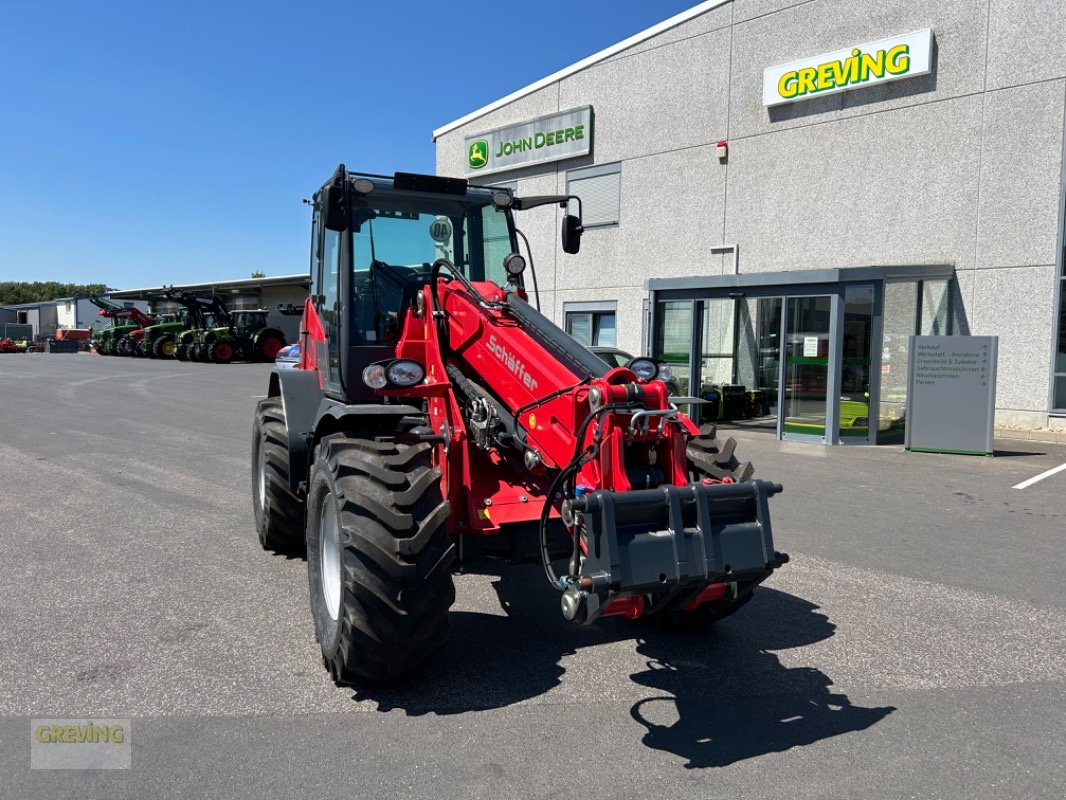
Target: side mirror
column 334, row 217
column 572, row 230
column 333, row 199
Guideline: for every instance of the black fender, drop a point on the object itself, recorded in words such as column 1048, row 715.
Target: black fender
column 309, row 415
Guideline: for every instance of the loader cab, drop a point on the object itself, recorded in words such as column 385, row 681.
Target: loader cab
column 374, row 240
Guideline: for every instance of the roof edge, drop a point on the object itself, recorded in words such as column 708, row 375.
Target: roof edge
column 584, row 63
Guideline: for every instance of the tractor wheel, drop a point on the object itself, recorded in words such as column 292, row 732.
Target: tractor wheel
column 268, row 347
column 709, row 458
column 194, row 351
column 220, row 352
column 378, row 557
column 123, row 346
column 181, row 352
column 164, row 347
column 279, row 513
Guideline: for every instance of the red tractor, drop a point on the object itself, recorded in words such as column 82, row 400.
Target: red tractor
column 437, row 415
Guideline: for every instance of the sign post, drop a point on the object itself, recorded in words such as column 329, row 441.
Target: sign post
column 951, row 394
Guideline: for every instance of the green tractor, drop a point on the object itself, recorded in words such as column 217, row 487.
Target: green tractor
column 204, row 312
column 106, row 341
column 158, row 340
column 243, row 336
column 163, row 340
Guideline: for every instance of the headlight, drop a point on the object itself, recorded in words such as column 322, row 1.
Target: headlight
column 644, row 368
column 665, row 373
column 374, row 376
column 404, row 373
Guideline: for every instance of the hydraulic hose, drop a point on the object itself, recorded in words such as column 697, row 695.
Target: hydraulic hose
column 581, row 457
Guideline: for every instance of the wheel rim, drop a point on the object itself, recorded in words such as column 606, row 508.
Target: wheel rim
column 271, row 346
column 223, row 352
column 262, row 482
column 168, row 348
column 330, row 557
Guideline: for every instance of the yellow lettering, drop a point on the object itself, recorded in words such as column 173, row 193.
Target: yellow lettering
column 825, row 79
column 41, row 734
column 118, row 735
column 786, row 87
column 840, row 73
column 805, row 78
column 898, row 60
column 873, row 65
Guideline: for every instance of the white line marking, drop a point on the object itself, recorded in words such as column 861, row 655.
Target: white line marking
column 1040, row 477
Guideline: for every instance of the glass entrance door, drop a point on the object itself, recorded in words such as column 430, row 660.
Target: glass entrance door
column 805, row 386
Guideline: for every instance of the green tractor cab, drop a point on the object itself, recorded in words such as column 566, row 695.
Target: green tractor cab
column 244, row 336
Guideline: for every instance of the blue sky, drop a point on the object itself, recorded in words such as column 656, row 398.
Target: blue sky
column 144, row 143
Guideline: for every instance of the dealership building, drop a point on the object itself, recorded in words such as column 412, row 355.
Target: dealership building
column 777, row 194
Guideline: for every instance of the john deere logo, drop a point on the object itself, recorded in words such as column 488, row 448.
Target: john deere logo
column 479, row 154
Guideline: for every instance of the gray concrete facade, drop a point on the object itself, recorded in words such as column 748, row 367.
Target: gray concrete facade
column 963, row 166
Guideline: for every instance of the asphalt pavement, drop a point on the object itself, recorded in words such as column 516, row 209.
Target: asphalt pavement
column 915, row 646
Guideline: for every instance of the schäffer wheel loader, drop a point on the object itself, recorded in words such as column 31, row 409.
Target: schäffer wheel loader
column 436, row 414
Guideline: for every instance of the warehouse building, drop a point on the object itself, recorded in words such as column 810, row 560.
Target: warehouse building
column 777, row 194
column 271, row 293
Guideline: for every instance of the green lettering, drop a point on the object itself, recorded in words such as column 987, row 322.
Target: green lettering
column 550, row 138
column 568, row 135
column 538, row 139
column 579, row 131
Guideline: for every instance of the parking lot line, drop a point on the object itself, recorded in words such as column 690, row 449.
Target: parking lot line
column 1040, row 477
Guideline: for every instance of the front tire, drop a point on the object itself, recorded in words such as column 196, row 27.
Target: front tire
column 278, row 512
column 163, row 347
column 220, row 352
column 378, row 557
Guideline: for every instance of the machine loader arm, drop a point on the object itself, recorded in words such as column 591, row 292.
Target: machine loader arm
column 540, row 429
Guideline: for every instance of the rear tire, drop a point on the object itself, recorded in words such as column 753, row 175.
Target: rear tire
column 268, row 347
column 181, row 352
column 279, row 514
column 378, row 557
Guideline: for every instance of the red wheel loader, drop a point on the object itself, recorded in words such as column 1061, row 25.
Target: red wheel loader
column 437, row 415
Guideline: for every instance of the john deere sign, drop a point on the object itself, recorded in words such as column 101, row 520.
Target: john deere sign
column 852, row 68
column 567, row 134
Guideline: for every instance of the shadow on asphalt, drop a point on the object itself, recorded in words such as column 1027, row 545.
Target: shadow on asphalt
column 724, row 696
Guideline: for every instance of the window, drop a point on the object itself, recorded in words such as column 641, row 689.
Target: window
column 600, row 190
column 592, row 324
